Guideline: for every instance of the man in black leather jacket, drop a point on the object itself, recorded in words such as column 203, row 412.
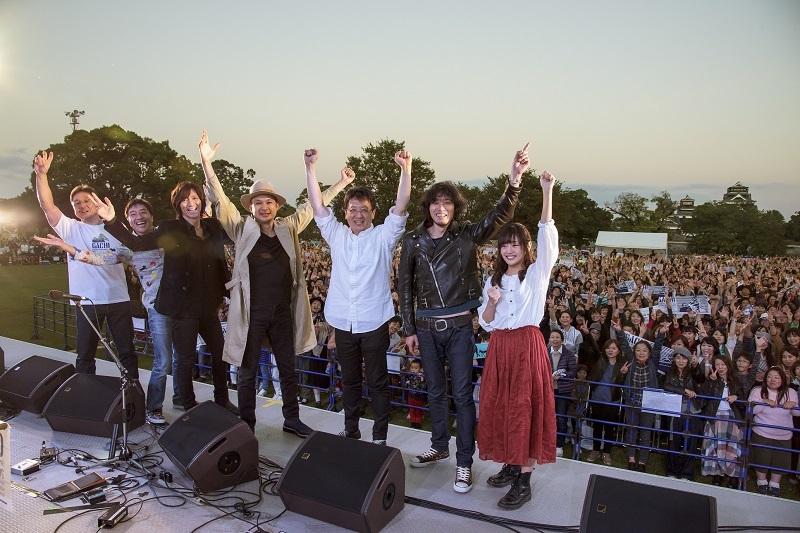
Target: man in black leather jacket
column 439, row 286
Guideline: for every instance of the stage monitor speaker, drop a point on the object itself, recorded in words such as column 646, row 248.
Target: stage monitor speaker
column 346, row 482
column 31, row 383
column 92, row 405
column 613, row 505
column 212, row 446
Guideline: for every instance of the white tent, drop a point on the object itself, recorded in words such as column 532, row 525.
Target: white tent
column 631, row 241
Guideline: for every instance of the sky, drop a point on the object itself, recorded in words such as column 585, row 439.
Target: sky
column 616, row 96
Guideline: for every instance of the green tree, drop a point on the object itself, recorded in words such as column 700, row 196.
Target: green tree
column 663, row 211
column 740, row 229
column 793, row 227
column 376, row 169
column 631, row 213
column 120, row 165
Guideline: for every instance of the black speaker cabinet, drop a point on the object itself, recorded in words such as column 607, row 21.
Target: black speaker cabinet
column 212, row 446
column 346, row 482
column 613, row 505
column 31, row 383
column 92, row 405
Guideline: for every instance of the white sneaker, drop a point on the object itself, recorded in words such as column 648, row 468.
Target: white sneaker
column 262, row 393
column 559, row 452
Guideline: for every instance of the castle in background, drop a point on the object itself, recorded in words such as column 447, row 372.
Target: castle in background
column 736, row 194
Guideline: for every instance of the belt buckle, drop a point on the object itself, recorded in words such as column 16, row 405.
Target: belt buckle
column 436, row 324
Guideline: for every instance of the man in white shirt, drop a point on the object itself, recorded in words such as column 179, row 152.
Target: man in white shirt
column 104, row 286
column 359, row 303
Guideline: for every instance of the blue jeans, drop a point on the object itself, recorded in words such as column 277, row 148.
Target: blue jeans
column 457, row 346
column 161, row 332
column 562, row 406
column 120, row 322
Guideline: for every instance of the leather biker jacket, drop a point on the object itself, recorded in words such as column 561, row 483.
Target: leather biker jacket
column 447, row 276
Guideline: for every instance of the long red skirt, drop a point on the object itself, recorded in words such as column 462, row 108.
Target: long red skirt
column 517, row 422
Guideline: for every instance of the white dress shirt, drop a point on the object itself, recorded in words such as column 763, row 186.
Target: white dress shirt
column 359, row 297
column 522, row 303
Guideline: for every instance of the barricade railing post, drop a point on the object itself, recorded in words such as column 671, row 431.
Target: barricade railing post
column 64, row 312
column 36, row 303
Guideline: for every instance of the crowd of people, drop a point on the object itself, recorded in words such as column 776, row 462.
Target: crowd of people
column 564, row 330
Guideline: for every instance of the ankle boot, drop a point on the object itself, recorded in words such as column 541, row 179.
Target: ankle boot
column 506, row 476
column 519, row 493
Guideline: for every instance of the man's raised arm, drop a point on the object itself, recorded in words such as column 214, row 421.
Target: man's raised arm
column 403, row 159
column 40, row 166
column 310, row 157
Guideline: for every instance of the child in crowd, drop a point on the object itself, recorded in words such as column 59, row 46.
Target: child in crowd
column 417, row 387
column 745, row 371
column 580, row 392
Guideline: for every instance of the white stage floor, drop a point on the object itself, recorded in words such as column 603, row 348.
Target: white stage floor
column 558, row 489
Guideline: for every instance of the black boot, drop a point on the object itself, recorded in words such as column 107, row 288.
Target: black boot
column 505, row 477
column 519, row 493
column 716, row 480
column 733, row 482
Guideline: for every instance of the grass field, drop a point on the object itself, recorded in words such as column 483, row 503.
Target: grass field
column 20, row 283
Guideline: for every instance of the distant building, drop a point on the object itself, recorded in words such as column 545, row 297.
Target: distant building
column 683, row 212
column 737, row 194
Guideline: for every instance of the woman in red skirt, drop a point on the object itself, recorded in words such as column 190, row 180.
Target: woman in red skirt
column 517, row 426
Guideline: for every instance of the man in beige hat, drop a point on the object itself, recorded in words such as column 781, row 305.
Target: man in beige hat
column 268, row 290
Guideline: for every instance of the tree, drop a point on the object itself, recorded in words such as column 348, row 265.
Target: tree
column 376, row 169
column 740, row 229
column 631, row 213
column 119, row 164
column 793, row 227
column 663, row 211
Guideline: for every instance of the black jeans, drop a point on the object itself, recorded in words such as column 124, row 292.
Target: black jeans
column 118, row 317
column 602, row 431
column 677, row 463
column 275, row 322
column 184, row 338
column 369, row 347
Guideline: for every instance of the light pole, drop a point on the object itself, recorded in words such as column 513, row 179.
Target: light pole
column 73, row 115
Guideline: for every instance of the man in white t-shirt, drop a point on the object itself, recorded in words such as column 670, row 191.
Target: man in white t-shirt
column 104, row 286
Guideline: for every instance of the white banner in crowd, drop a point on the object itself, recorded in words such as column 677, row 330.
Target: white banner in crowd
column 682, row 304
column 5, row 467
column 576, row 274
column 660, row 290
column 626, row 287
column 653, row 266
column 664, row 358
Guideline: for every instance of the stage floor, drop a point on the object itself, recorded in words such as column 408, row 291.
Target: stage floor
column 558, row 489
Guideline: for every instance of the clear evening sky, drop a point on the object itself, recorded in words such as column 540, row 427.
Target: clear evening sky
column 688, row 96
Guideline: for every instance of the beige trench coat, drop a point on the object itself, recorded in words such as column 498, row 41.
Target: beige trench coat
column 244, row 232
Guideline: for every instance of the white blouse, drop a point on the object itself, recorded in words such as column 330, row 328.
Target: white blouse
column 522, row 303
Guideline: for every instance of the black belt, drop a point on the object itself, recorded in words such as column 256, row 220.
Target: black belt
column 441, row 324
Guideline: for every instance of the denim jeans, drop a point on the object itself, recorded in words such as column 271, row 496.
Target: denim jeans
column 370, row 348
column 119, row 320
column 457, row 347
column 562, row 406
column 639, row 433
column 274, row 321
column 160, row 327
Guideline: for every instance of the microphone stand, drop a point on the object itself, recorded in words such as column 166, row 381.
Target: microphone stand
column 126, row 382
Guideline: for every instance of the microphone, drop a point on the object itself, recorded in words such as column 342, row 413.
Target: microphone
column 58, row 295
